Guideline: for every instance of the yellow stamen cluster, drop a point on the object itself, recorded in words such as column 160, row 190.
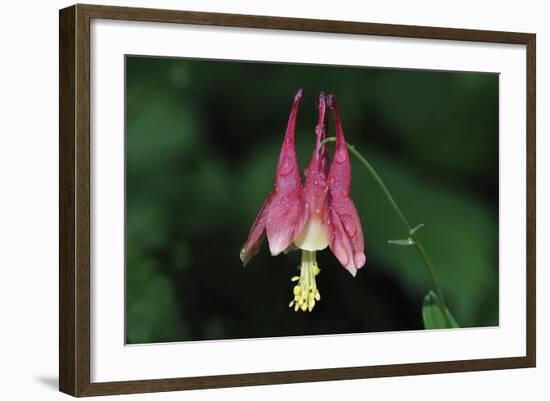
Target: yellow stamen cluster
column 305, row 292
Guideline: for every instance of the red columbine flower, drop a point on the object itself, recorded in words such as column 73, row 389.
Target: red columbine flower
column 314, row 216
column 346, row 233
column 282, row 214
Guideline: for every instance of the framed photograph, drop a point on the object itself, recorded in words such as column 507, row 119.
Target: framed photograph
column 250, row 200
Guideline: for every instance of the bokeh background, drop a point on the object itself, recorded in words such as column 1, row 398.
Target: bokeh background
column 202, row 142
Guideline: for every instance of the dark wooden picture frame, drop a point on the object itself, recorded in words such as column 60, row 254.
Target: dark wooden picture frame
column 74, row 204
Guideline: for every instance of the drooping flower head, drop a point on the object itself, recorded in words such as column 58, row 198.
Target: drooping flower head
column 282, row 214
column 313, row 216
column 346, row 233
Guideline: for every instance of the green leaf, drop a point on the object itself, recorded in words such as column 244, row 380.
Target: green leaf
column 432, row 316
column 401, row 242
column 416, row 228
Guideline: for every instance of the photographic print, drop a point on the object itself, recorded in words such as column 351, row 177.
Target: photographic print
column 299, row 200
column 272, row 200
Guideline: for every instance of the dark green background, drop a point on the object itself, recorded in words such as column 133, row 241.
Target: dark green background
column 202, row 142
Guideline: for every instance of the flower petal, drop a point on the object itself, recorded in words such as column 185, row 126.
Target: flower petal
column 315, row 235
column 321, row 131
column 346, row 233
column 285, row 219
column 282, row 215
column 257, row 233
column 288, row 175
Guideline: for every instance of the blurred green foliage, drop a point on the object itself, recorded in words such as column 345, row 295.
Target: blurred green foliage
column 202, row 142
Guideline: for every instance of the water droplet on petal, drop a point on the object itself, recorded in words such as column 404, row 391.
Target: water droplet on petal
column 349, row 225
column 286, row 166
column 341, row 156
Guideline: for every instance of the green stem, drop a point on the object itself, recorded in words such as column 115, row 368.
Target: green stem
column 410, row 232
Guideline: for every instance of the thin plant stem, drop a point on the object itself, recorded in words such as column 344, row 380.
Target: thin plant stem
column 410, row 231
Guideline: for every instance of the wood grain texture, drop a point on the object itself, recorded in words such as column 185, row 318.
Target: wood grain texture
column 74, row 199
column 302, row 376
column 301, row 24
column 67, row 99
column 531, row 240
column 74, row 225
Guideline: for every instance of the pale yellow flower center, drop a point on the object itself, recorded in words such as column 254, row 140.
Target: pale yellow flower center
column 305, row 291
column 314, row 236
